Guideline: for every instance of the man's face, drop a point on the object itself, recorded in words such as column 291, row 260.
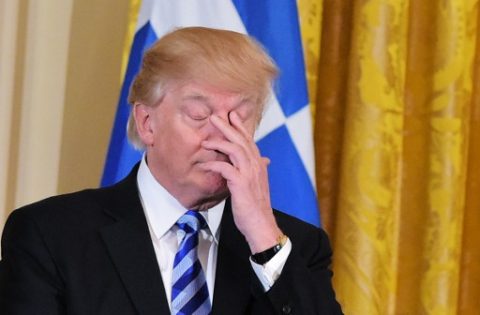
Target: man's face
column 178, row 125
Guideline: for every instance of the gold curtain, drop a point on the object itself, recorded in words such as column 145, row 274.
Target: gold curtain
column 395, row 87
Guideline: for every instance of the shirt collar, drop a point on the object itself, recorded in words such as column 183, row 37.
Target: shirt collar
column 163, row 210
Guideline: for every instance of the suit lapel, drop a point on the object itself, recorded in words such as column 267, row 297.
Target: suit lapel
column 233, row 276
column 130, row 247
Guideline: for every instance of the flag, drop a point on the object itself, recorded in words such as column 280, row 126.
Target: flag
column 285, row 133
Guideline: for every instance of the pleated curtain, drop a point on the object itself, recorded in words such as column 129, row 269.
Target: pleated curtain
column 395, row 91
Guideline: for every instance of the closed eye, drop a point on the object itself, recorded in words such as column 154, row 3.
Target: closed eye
column 198, row 117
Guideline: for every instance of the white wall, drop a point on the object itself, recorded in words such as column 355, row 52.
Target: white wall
column 60, row 63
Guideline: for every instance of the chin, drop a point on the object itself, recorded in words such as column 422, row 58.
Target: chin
column 215, row 184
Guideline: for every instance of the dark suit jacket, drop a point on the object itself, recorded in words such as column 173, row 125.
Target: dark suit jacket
column 90, row 252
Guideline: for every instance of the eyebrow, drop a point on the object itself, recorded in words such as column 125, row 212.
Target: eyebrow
column 203, row 98
column 195, row 96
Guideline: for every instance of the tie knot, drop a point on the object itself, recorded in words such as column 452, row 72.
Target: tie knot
column 191, row 222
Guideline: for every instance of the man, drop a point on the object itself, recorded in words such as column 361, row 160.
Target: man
column 191, row 229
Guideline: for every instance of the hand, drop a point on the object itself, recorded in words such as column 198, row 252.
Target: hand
column 247, row 181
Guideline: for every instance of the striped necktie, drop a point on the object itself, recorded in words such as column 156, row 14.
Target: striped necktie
column 189, row 287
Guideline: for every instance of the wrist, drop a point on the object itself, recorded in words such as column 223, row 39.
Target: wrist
column 266, row 255
column 260, row 241
column 261, row 232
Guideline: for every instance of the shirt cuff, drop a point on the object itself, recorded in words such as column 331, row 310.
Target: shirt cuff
column 270, row 272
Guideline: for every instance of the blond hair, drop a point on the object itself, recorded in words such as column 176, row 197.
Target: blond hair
column 223, row 58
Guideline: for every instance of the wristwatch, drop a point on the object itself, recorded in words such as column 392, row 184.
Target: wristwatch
column 263, row 257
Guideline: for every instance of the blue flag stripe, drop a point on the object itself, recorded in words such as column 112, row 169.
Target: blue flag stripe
column 121, row 156
column 290, row 186
column 275, row 24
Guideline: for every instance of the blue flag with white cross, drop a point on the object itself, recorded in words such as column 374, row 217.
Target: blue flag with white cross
column 285, row 133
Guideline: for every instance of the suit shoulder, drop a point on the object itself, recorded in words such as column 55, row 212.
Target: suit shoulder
column 61, row 208
column 55, row 203
column 83, row 200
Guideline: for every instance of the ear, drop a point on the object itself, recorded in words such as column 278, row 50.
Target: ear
column 143, row 121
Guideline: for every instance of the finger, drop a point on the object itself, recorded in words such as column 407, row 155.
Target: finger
column 238, row 124
column 223, row 168
column 266, row 160
column 228, row 131
column 236, row 136
column 235, row 153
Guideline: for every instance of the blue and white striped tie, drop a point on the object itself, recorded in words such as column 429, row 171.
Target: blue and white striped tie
column 189, row 287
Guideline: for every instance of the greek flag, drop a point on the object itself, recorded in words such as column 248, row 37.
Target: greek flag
column 285, row 133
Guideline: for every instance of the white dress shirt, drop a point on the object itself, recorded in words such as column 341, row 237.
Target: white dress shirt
column 162, row 211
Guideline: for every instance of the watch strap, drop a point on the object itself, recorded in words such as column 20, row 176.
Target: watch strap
column 263, row 257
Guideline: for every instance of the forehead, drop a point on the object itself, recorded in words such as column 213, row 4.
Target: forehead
column 209, row 93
